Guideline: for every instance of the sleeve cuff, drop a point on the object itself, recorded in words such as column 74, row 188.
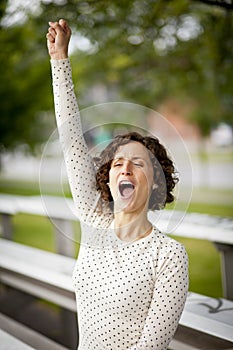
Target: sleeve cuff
column 59, row 63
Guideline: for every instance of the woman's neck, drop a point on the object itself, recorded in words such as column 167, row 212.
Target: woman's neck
column 130, row 227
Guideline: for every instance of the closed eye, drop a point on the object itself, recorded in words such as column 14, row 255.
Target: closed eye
column 138, row 164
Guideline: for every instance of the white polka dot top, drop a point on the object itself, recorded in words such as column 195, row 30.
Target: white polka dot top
column 130, row 295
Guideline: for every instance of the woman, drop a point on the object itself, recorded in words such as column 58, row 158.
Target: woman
column 130, row 280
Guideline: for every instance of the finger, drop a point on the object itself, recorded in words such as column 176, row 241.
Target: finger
column 52, row 32
column 50, row 38
column 64, row 25
column 52, row 24
column 56, row 26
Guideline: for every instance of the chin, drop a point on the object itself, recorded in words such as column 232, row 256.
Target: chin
column 122, row 205
column 129, row 207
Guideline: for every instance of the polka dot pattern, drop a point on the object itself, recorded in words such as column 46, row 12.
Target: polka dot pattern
column 129, row 295
column 79, row 164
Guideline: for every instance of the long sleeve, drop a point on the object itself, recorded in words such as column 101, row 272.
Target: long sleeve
column 79, row 163
column 167, row 303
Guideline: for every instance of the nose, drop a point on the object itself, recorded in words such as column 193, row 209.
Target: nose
column 126, row 169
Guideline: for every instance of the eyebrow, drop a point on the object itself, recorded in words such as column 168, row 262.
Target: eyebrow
column 134, row 158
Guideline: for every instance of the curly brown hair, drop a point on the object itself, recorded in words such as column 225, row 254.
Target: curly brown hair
column 165, row 176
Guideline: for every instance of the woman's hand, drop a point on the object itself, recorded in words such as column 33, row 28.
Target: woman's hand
column 58, row 38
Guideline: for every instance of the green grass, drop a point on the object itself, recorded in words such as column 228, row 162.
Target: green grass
column 204, row 259
column 37, row 231
column 212, row 209
column 28, row 188
column 204, row 266
column 33, row 230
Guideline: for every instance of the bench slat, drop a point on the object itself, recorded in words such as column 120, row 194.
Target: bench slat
column 209, row 315
column 40, row 273
column 10, row 342
column 15, row 336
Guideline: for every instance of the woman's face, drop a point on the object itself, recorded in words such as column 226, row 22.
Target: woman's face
column 131, row 177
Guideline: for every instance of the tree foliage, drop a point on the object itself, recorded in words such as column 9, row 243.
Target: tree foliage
column 149, row 50
column 25, row 89
column 146, row 51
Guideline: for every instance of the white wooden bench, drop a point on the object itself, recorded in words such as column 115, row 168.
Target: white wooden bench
column 23, row 337
column 48, row 276
column 61, row 212
column 12, row 343
column 209, row 319
column 43, row 275
column 37, row 272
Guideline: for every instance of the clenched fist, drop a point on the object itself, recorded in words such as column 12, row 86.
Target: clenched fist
column 58, row 37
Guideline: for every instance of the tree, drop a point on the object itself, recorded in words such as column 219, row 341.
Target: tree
column 25, row 90
column 145, row 50
column 149, row 50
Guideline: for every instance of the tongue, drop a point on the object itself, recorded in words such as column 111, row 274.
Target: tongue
column 127, row 192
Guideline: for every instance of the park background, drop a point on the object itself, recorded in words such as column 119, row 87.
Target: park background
column 173, row 57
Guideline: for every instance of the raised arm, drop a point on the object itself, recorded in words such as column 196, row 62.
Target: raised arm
column 79, row 163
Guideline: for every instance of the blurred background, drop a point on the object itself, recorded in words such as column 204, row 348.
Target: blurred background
column 173, row 57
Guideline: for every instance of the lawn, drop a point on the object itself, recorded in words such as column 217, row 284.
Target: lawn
column 204, row 260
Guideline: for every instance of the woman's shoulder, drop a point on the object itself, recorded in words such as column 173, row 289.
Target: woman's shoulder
column 166, row 244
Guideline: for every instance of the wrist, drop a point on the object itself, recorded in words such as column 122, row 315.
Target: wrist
column 59, row 56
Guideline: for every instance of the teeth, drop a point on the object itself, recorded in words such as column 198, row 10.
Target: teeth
column 126, row 183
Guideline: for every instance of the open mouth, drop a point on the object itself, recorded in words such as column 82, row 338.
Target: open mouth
column 126, row 189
